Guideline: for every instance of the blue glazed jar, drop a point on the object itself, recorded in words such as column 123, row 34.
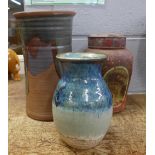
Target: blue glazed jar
column 82, row 102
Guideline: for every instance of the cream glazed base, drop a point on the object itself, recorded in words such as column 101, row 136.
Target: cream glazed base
column 80, row 143
column 81, row 130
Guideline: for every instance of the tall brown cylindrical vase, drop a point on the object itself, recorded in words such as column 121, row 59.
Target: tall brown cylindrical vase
column 118, row 66
column 43, row 35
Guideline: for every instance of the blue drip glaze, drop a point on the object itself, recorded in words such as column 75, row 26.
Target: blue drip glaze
column 82, row 88
column 42, row 61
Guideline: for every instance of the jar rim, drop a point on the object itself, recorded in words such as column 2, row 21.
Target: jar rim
column 80, row 57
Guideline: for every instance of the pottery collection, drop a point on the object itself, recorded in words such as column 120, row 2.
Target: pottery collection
column 117, row 69
column 82, row 102
column 43, row 34
column 76, row 90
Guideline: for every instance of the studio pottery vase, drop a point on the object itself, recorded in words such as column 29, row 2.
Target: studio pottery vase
column 82, row 102
column 44, row 34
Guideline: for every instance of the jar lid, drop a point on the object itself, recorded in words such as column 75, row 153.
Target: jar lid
column 107, row 41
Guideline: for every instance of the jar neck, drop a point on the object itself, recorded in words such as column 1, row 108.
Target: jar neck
column 82, row 70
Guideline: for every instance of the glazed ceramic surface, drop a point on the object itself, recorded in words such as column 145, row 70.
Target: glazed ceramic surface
column 82, row 103
column 118, row 65
column 43, row 35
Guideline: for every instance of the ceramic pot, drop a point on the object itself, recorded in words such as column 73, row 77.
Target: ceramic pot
column 82, row 103
column 118, row 65
column 43, row 35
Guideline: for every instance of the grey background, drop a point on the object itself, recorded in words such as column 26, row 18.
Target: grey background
column 115, row 16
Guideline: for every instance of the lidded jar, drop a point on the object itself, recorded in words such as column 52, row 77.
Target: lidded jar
column 117, row 69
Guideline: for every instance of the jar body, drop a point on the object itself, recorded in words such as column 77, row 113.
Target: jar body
column 82, row 105
column 43, row 35
column 117, row 71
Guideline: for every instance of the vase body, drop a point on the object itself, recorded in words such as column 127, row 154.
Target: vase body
column 117, row 69
column 82, row 105
column 43, row 35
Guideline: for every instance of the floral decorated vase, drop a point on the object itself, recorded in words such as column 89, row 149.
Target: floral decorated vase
column 82, row 102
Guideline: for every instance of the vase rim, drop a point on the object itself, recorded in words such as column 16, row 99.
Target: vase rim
column 33, row 14
column 108, row 35
column 80, row 57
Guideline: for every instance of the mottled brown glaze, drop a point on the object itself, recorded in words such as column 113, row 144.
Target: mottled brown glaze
column 117, row 68
column 41, row 89
column 43, row 35
column 108, row 41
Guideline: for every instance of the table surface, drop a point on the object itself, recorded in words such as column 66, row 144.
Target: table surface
column 125, row 136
